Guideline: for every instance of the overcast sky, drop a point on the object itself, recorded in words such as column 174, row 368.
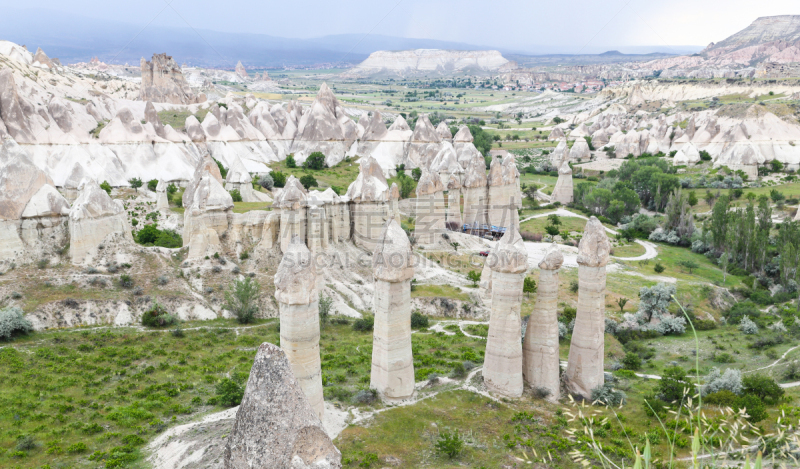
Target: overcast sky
column 577, row 25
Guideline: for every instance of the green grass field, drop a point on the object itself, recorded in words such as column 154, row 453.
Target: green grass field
column 340, row 175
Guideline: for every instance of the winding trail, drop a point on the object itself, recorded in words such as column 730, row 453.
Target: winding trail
column 650, row 250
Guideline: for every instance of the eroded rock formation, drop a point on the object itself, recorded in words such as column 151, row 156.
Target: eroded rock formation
column 586, row 352
column 563, row 191
column 296, row 292
column 430, row 210
column 275, row 425
column 504, row 192
column 540, row 363
column 369, row 195
column 392, row 361
column 208, row 211
column 93, row 217
column 502, row 366
column 163, row 82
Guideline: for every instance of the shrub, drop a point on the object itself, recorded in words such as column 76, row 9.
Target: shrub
column 126, row 281
column 747, row 326
column 324, row 306
column 43, row 263
column 26, row 443
column 540, row 392
column 241, row 299
column 458, row 371
column 316, row 161
column 755, row 408
column 632, row 361
column 290, row 162
column 150, row 235
column 605, row 394
column 731, row 380
column 741, row 309
column 236, row 195
column 659, row 268
column 573, row 286
column 364, row 324
column 762, row 386
column 106, row 187
column 419, row 320
column 474, row 277
column 76, row 448
column 671, row 385
column 569, row 314
column 723, row 398
column 308, row 181
column 278, row 178
column 162, row 280
column 157, row 316
column 366, row 396
column 551, row 230
column 229, row 393
column 449, row 444
column 266, row 182
column 151, row 185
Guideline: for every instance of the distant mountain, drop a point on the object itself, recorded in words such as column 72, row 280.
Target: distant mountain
column 767, row 29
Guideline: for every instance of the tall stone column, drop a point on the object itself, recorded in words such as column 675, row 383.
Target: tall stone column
column 430, row 211
column 586, row 352
column 504, row 193
column 296, row 292
column 476, row 196
column 392, row 361
column 454, row 203
column 563, row 191
column 292, row 202
column 540, row 346
column 162, row 200
column 502, row 366
column 369, row 195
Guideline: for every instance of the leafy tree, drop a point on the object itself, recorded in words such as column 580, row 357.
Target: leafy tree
column 621, row 302
column 242, row 299
column 419, row 320
column 755, row 407
column 474, row 277
column 529, row 286
column 325, row 304
column 449, row 444
column 290, row 163
column 223, row 171
column 13, row 321
column 308, row 181
column 406, row 186
column 762, row 386
column 135, row 183
column 632, row 361
column 152, row 185
column 455, row 246
column 554, row 219
column 655, row 300
column 229, row 392
column 278, row 178
column 266, row 181
column 315, row 160
column 551, row 230
column 106, row 187
column 776, row 165
column 671, row 386
column 481, row 139
column 689, row 265
column 416, row 173
column 692, row 200
column 171, row 189
column 236, row 195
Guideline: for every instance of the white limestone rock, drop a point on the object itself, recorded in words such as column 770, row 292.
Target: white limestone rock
column 563, row 191
column 93, row 217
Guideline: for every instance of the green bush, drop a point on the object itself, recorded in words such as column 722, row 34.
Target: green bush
column 364, row 324
column 157, row 316
column 569, row 314
column 150, row 235
column 223, row 171
column 236, row 195
column 756, row 409
column 672, row 383
column 449, row 444
column 308, row 181
column 229, row 393
column 106, row 187
column 764, row 387
column 290, row 162
column 126, row 281
column 152, row 184
column 316, row 161
column 278, row 178
column 722, row 398
column 242, row 299
column 419, row 320
column 659, row 267
column 632, row 361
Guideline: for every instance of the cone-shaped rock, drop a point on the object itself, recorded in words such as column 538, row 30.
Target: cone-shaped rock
column 585, row 365
column 563, row 191
column 275, row 425
column 504, row 193
column 476, row 194
column 296, row 292
column 540, row 345
column 94, row 216
column 502, row 367
column 430, row 211
column 392, row 361
column 292, row 203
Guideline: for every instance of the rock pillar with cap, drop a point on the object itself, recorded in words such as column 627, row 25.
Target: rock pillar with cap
column 502, row 366
column 563, row 191
column 586, row 352
column 392, row 361
column 540, row 345
column 162, row 199
column 296, row 292
column 430, row 212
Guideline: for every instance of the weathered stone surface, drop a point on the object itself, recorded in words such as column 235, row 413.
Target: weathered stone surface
column 292, row 202
column 502, row 366
column 504, row 193
column 275, row 425
column 370, row 210
column 163, row 82
column 443, row 131
column 392, row 362
column 540, row 366
column 296, row 292
column 430, row 210
column 424, row 145
column 476, row 195
column 325, row 127
column 208, row 211
column 94, row 216
column 162, row 198
column 586, row 352
column 239, row 178
column 454, row 203
column 563, row 192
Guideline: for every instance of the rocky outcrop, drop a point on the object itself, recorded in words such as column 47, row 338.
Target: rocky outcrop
column 559, row 154
column 296, row 292
column 454, row 219
column 505, row 197
column 369, row 209
column 239, row 179
column 93, row 217
column 444, row 132
column 292, row 203
column 162, row 198
column 325, row 127
column 580, row 150
column 424, row 145
column 275, row 425
column 502, row 366
column 208, row 211
column 475, row 193
column 563, row 191
column 392, row 362
column 430, row 209
column 413, row 62
column 540, row 354
column 556, row 134
column 586, row 353
column 163, row 82
column 465, row 149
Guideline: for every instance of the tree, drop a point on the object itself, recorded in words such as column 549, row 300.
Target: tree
column 416, row 173
column 325, row 304
column 223, row 171
column 762, row 386
column 554, row 219
column 407, row 185
column 135, row 183
column 308, row 181
column 290, row 163
column 530, row 191
column 236, row 195
column 672, row 384
column 655, row 300
column 692, row 199
column 316, row 161
column 632, row 361
column 551, row 230
column 449, row 444
column 278, row 178
column 241, row 299
column 266, row 181
column 474, row 277
column 621, row 302
column 152, row 185
column 455, row 246
column 755, row 407
column 106, row 187
column 689, row 265
column 529, row 286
